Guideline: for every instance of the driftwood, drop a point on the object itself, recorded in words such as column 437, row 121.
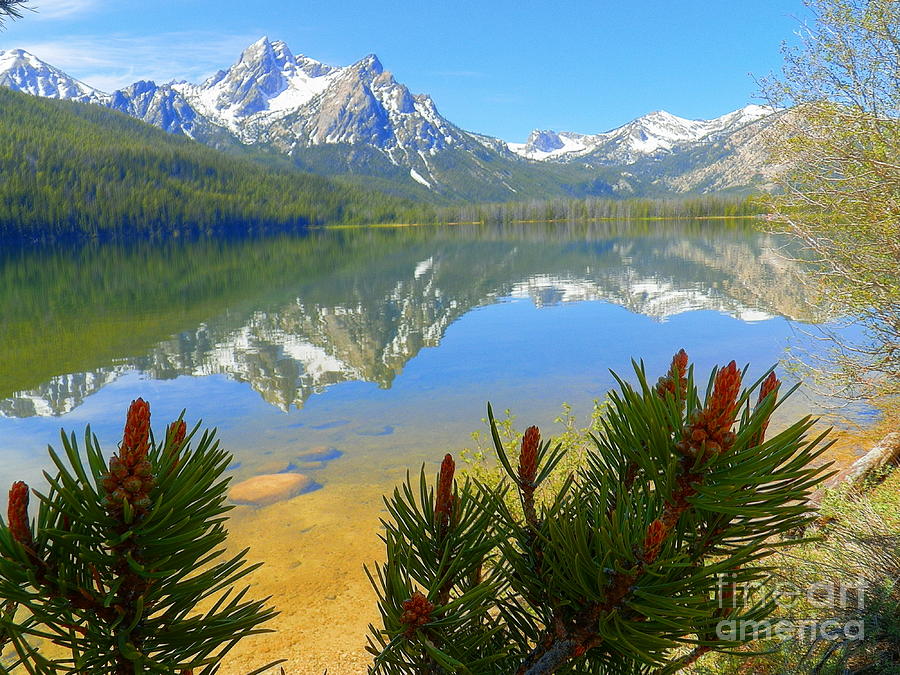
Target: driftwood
column 882, row 455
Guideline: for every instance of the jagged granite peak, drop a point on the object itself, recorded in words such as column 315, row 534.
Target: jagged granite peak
column 349, row 111
column 545, row 144
column 23, row 71
column 260, row 74
column 545, row 140
column 161, row 106
column 266, row 82
column 256, row 77
column 365, row 105
column 370, row 63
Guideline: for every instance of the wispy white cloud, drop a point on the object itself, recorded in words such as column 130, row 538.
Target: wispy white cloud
column 60, row 9
column 109, row 62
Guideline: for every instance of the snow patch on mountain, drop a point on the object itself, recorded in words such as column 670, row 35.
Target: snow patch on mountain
column 543, row 145
column 418, row 178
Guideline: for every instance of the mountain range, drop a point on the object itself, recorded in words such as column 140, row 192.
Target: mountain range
column 360, row 123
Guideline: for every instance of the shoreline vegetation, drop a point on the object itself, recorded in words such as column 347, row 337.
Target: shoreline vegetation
column 598, row 219
column 668, row 210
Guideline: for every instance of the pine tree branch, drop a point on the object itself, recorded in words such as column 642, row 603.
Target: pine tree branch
column 11, row 9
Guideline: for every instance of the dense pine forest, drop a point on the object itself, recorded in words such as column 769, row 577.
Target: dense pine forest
column 71, row 167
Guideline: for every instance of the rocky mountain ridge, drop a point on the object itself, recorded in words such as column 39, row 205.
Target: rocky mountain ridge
column 655, row 133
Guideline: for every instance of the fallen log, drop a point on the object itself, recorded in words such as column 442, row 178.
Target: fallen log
column 883, row 454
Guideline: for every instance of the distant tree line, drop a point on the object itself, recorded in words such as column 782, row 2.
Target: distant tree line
column 593, row 208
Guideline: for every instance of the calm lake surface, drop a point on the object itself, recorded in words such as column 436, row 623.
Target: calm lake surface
column 383, row 344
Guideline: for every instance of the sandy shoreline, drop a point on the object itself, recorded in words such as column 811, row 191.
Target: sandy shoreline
column 314, row 547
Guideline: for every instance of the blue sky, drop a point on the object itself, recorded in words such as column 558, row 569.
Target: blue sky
column 500, row 67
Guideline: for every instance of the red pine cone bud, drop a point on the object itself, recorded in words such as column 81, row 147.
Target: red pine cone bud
column 769, row 386
column 709, row 430
column 416, row 612
column 136, row 441
column 443, row 503
column 723, row 402
column 677, row 374
column 178, row 430
column 19, row 525
column 656, row 534
column 528, row 457
column 130, row 476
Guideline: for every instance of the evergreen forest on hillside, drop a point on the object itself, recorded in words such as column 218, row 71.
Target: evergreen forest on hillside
column 72, row 167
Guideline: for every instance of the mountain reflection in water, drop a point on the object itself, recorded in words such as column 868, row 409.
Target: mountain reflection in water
column 292, row 315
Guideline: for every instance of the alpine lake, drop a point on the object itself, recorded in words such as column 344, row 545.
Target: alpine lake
column 353, row 355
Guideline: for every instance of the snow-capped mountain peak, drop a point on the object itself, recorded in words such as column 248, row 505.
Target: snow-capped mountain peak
column 266, row 81
column 369, row 63
column 23, row 71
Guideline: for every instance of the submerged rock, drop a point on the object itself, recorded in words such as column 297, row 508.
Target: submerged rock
column 269, row 488
column 320, row 453
column 383, row 431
